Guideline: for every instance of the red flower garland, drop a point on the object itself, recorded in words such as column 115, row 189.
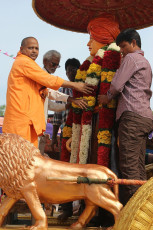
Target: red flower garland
column 111, row 62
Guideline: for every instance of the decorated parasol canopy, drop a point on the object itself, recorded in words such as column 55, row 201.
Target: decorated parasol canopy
column 74, row 15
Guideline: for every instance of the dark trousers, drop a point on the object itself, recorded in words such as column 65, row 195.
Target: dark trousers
column 67, row 207
column 133, row 131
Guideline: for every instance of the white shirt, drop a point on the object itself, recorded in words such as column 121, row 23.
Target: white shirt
column 53, row 106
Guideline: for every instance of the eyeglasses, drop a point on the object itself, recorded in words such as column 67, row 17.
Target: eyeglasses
column 55, row 65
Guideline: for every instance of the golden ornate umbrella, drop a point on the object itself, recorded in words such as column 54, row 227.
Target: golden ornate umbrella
column 74, row 15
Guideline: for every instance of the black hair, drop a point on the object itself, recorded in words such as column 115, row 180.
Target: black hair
column 128, row 35
column 73, row 62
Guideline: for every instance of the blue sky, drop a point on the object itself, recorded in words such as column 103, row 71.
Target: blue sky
column 18, row 20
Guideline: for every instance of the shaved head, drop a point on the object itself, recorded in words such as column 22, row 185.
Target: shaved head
column 30, row 47
column 24, row 41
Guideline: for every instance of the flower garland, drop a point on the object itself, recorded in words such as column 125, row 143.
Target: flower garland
column 77, row 112
column 111, row 62
column 102, row 67
column 92, row 78
column 74, row 118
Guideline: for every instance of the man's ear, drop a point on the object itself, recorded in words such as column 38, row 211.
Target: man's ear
column 134, row 43
column 44, row 61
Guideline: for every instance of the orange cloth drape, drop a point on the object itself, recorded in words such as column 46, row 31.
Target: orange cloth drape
column 24, row 106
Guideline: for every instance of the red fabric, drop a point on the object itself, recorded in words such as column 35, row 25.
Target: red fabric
column 104, row 87
column 106, row 118
column 103, row 156
column 65, row 14
column 69, row 120
column 104, row 29
column 86, row 117
column 77, row 118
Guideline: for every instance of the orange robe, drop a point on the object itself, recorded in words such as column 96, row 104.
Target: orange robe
column 24, row 113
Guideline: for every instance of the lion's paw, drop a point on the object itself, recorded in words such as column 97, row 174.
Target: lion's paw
column 37, row 228
column 109, row 228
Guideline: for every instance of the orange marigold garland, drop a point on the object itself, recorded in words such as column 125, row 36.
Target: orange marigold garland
column 103, row 66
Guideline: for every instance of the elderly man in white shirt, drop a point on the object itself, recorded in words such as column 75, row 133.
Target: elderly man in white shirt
column 51, row 61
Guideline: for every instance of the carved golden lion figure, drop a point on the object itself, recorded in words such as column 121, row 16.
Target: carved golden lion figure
column 24, row 172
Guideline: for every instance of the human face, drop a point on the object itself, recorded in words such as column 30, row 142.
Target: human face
column 31, row 48
column 126, row 47
column 71, row 72
column 94, row 46
column 52, row 64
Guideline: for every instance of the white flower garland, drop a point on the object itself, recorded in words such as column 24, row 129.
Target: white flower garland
column 90, row 58
column 84, row 145
column 92, row 81
column 100, row 53
column 114, row 47
column 76, row 129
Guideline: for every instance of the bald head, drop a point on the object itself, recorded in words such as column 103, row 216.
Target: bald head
column 24, row 41
column 30, row 47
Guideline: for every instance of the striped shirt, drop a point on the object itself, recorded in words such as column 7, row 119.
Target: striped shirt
column 132, row 83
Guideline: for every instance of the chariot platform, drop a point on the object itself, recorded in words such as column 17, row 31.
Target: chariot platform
column 9, row 227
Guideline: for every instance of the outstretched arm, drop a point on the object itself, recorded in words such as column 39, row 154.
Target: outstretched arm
column 57, row 95
column 56, row 107
column 78, row 86
column 33, row 71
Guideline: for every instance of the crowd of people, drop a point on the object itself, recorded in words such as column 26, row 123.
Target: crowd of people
column 122, row 93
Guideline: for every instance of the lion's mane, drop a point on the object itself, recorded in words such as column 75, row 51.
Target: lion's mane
column 16, row 157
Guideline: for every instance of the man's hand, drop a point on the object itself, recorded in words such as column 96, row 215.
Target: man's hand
column 82, row 103
column 103, row 99
column 83, row 87
column 43, row 92
column 78, row 86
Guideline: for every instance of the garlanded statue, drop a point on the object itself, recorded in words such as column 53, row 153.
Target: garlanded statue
column 98, row 71
column 24, row 172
